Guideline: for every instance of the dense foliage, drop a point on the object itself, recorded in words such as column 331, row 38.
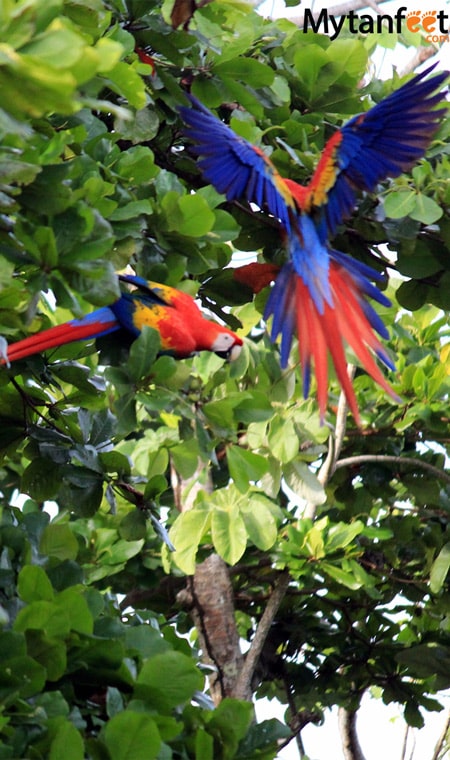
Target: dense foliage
column 95, row 176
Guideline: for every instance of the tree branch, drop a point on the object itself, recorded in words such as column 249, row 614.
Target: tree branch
column 209, row 598
column 209, row 595
column 347, row 728
column 386, row 459
column 422, row 54
column 442, row 739
column 282, row 583
column 253, row 654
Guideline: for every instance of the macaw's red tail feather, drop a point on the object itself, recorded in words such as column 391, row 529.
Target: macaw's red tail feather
column 100, row 322
column 347, row 317
column 319, row 335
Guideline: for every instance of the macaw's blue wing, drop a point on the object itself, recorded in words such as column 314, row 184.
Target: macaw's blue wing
column 323, row 326
column 234, row 166
column 382, row 142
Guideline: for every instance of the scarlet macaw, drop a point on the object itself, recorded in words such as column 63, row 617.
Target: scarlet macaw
column 321, row 293
column 182, row 328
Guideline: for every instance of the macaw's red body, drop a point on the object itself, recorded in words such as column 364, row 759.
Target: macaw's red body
column 320, row 293
column 182, row 328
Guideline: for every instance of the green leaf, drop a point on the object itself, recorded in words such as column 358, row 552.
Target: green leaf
column 196, row 217
column 230, row 722
column 22, row 675
column 412, row 715
column 49, row 652
column 427, row 661
column 341, row 535
column 228, row 531
column 146, row 641
column 204, row 745
column 58, row 541
column 168, row 680
column 125, row 81
column 225, row 227
column 263, row 738
column 132, row 736
column 425, row 210
column 349, row 57
column 309, row 60
column 14, row 170
column 439, row 569
column 255, row 408
column 143, row 353
column 314, row 541
column 43, row 615
column 186, row 534
column 138, row 164
column 259, row 521
column 75, row 607
column 245, row 466
column 144, row 126
column 41, row 480
column 67, row 744
column 304, row 482
column 399, row 203
column 412, row 295
column 121, row 551
column 283, row 439
column 220, row 413
column 186, row 458
column 34, row 584
column 131, row 210
column 341, row 576
column 246, row 69
column 133, row 526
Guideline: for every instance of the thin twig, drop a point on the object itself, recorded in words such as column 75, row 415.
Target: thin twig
column 334, row 447
column 405, row 743
column 422, row 54
column 386, row 459
column 442, row 738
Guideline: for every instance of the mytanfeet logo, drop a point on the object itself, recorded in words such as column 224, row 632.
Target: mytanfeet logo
column 434, row 25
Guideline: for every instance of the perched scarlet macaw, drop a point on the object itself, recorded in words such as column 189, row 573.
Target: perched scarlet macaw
column 321, row 293
column 182, row 328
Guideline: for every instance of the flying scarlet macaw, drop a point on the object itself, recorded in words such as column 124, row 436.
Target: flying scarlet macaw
column 321, row 293
column 182, row 327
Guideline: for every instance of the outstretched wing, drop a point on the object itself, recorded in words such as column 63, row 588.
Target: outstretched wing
column 234, row 166
column 383, row 142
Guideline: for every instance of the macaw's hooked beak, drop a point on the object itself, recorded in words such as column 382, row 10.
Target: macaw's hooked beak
column 228, row 346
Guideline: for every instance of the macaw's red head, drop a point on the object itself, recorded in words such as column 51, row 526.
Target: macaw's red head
column 209, row 336
column 202, row 334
